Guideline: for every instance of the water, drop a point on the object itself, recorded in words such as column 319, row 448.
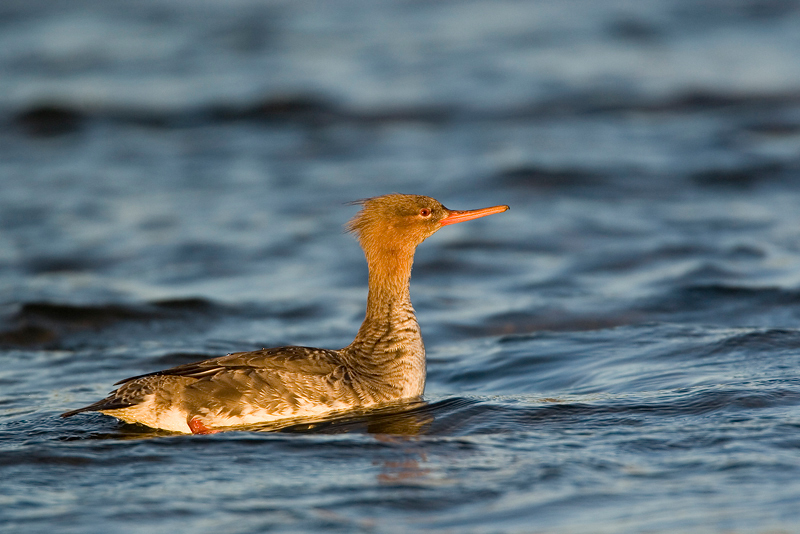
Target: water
column 620, row 352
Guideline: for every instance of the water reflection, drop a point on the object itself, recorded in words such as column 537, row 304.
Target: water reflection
column 408, row 419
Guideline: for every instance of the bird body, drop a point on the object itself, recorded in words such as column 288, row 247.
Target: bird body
column 384, row 364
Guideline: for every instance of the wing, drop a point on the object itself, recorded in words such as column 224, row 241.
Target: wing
column 298, row 359
column 274, row 380
column 267, row 384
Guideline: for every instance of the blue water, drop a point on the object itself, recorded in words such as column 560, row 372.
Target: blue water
column 620, row 352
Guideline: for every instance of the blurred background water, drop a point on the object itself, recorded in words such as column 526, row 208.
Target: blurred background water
column 620, row 352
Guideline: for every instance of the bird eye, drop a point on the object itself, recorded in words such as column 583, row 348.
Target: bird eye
column 425, row 212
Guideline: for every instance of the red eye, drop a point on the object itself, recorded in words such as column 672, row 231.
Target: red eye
column 425, row 212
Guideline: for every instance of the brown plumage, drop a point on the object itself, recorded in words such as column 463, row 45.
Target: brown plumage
column 385, row 363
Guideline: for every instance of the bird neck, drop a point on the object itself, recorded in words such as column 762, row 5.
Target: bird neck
column 389, row 342
column 389, row 301
column 389, row 276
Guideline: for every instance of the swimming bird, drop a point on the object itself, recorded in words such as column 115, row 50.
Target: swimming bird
column 384, row 364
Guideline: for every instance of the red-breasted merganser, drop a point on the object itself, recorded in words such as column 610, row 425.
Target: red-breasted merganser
column 384, row 364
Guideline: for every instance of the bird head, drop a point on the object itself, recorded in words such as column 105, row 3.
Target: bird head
column 398, row 223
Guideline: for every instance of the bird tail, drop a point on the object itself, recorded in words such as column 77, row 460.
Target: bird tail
column 79, row 410
column 109, row 403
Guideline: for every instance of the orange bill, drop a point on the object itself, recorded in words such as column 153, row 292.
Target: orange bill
column 455, row 216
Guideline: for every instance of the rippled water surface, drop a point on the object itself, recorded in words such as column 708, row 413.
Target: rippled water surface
column 620, row 352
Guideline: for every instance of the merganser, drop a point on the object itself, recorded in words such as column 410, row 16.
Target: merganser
column 384, row 364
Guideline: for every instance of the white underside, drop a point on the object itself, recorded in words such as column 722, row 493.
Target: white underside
column 177, row 420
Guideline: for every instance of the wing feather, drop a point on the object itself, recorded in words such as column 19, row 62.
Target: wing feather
column 297, row 359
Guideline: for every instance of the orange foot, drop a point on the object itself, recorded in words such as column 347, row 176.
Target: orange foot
column 197, row 427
